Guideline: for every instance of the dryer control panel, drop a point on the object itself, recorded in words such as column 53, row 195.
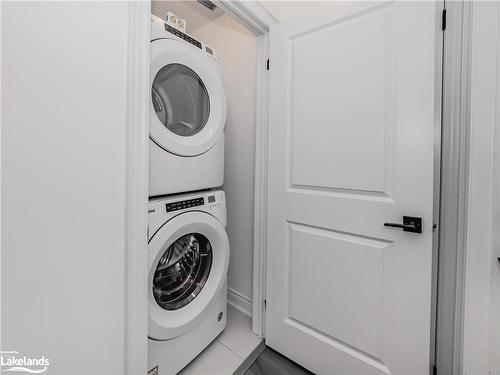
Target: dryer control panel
column 161, row 29
column 181, row 205
column 183, row 36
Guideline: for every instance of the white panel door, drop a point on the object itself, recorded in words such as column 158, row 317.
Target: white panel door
column 353, row 108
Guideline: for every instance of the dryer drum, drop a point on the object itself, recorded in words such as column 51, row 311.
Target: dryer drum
column 182, row 271
column 180, row 100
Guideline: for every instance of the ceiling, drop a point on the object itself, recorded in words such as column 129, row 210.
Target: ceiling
column 193, row 12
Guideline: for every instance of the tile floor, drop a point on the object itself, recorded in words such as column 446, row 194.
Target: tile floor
column 225, row 355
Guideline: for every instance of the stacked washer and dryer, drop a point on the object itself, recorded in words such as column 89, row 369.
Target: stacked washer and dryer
column 188, row 244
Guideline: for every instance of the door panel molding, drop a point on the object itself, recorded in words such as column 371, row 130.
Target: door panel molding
column 347, row 349
column 339, row 253
column 367, row 162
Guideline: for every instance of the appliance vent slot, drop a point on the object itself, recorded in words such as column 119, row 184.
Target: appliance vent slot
column 208, row 4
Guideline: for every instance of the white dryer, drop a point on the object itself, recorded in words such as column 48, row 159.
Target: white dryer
column 188, row 261
column 187, row 113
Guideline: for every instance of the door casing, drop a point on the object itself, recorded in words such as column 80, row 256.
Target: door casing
column 450, row 241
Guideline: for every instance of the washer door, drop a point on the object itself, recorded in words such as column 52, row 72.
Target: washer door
column 188, row 261
column 188, row 103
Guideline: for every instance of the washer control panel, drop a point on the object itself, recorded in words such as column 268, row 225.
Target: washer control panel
column 163, row 209
column 213, row 202
column 181, row 205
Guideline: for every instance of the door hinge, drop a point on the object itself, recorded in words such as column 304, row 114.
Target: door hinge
column 265, row 304
column 267, row 64
column 443, row 20
column 434, row 370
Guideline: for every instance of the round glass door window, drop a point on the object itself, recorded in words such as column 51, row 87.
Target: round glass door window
column 180, row 100
column 182, row 271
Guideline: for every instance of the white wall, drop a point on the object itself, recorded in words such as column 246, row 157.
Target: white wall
column 238, row 48
column 482, row 310
column 63, row 170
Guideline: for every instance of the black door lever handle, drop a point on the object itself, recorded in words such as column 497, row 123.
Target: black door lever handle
column 410, row 224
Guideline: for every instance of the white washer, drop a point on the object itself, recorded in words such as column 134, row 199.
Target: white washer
column 188, row 261
column 187, row 113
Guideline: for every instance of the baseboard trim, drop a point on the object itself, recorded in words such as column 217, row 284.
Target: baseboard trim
column 239, row 302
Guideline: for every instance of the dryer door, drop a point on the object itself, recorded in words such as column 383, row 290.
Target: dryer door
column 188, row 103
column 188, row 260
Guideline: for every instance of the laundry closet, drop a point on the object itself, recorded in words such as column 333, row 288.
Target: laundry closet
column 232, row 50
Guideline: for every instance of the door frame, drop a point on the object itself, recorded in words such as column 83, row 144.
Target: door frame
column 258, row 19
column 482, row 240
column 136, row 188
column 451, row 254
